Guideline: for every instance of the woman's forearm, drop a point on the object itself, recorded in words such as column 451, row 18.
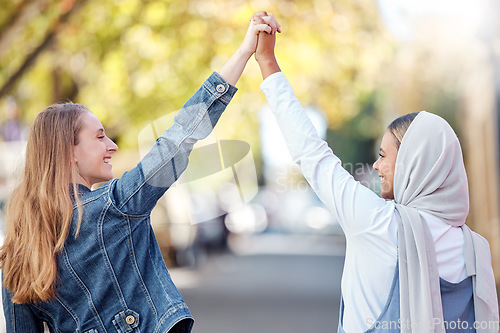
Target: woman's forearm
column 268, row 67
column 265, row 55
column 233, row 68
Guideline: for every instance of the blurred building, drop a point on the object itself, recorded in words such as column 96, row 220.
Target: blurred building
column 481, row 105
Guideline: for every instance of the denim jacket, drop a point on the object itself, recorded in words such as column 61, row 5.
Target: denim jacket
column 112, row 277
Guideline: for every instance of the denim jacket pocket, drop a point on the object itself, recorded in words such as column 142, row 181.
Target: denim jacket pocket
column 93, row 330
column 126, row 321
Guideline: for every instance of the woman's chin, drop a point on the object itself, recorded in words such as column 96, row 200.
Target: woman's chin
column 387, row 195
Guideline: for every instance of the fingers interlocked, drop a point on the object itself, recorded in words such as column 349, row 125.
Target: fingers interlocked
column 264, row 18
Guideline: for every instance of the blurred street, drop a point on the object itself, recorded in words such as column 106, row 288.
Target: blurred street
column 263, row 289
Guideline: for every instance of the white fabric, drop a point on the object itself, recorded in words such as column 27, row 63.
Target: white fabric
column 430, row 177
column 449, row 243
column 368, row 221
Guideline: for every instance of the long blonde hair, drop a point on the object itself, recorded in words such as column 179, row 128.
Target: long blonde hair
column 40, row 209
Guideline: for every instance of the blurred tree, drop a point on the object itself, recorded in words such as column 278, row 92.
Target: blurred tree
column 131, row 61
column 13, row 24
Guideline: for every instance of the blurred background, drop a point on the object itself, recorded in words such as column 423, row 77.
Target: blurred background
column 248, row 243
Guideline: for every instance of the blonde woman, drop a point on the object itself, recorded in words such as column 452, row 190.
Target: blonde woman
column 88, row 261
column 411, row 263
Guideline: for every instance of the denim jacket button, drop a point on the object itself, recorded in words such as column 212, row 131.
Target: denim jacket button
column 220, row 88
column 130, row 320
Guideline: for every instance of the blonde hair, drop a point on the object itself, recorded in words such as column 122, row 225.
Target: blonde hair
column 400, row 125
column 40, row 209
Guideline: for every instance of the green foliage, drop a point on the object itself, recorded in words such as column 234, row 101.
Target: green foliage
column 132, row 61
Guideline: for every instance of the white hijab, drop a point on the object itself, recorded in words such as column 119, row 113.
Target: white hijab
column 430, row 177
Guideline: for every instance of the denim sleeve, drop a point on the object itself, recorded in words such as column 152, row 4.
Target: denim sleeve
column 138, row 190
column 18, row 317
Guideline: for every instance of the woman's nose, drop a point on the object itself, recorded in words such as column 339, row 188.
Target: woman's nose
column 375, row 165
column 112, row 147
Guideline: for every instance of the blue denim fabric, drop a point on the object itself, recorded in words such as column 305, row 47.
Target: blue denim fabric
column 458, row 310
column 112, row 277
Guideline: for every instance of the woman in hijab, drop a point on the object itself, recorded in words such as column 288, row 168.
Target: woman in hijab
column 411, row 263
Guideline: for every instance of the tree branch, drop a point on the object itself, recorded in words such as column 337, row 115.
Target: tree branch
column 31, row 58
column 23, row 13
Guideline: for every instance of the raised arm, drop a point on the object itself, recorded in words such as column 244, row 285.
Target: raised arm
column 265, row 52
column 354, row 205
column 168, row 158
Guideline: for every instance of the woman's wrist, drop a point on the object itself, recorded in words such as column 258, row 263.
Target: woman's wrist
column 265, row 59
column 268, row 65
column 244, row 53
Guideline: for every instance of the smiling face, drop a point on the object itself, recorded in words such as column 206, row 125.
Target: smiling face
column 93, row 152
column 386, row 164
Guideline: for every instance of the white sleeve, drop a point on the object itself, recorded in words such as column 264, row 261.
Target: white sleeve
column 356, row 207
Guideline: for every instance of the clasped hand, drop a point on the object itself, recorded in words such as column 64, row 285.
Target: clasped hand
column 261, row 35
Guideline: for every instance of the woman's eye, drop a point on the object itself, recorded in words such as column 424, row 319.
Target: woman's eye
column 381, row 155
column 101, row 137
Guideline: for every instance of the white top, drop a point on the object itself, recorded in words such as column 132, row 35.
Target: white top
column 368, row 221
